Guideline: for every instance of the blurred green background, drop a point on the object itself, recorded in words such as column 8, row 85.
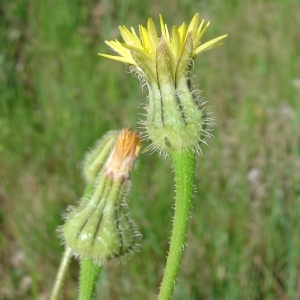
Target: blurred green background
column 57, row 97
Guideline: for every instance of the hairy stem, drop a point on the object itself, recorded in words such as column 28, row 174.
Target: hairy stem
column 61, row 274
column 184, row 167
column 89, row 271
column 89, row 275
column 65, row 261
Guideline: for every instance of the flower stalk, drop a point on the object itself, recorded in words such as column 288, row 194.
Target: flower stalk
column 61, row 274
column 89, row 275
column 184, row 167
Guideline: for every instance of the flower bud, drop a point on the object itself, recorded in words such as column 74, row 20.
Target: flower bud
column 100, row 228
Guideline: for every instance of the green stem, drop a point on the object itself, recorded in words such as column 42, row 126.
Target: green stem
column 89, row 271
column 61, row 274
column 65, row 261
column 184, row 167
column 89, row 275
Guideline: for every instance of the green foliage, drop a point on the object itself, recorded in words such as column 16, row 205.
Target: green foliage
column 58, row 97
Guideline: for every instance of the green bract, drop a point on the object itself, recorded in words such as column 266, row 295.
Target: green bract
column 100, row 228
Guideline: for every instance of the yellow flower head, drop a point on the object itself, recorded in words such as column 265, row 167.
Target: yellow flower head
column 141, row 51
column 176, row 119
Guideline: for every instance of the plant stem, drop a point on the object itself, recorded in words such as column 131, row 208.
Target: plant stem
column 184, row 166
column 89, row 271
column 65, row 261
column 89, row 274
column 61, row 274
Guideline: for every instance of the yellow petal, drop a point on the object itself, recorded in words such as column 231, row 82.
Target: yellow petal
column 162, row 25
column 119, row 58
column 200, row 33
column 152, row 34
column 136, row 38
column 117, row 47
column 128, row 37
column 146, row 55
column 177, row 46
column 193, row 25
column 182, row 32
column 208, row 45
column 145, row 39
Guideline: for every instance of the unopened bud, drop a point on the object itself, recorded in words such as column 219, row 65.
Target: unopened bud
column 101, row 228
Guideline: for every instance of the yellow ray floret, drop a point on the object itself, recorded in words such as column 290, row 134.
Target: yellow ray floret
column 145, row 45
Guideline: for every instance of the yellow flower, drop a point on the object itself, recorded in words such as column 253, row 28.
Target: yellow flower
column 175, row 116
column 145, row 46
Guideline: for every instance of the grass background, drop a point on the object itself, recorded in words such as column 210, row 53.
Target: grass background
column 57, row 97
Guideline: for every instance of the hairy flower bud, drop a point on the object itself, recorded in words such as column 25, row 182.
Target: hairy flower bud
column 100, row 228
